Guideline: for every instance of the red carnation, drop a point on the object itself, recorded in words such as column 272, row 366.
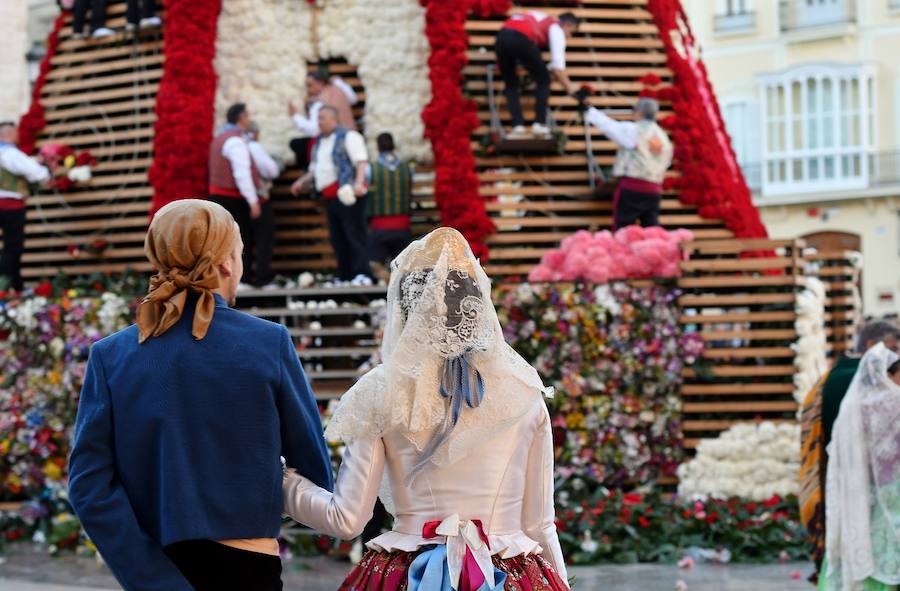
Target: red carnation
column 44, row 290
column 643, row 521
column 632, row 499
column 650, row 80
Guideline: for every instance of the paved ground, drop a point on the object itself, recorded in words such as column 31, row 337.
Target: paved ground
column 24, row 568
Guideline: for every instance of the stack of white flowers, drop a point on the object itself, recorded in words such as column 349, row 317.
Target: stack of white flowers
column 387, row 43
column 261, row 52
column 811, row 345
column 751, row 461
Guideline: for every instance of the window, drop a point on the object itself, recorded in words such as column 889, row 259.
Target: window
column 742, row 122
column 797, row 14
column 819, row 129
column 734, row 16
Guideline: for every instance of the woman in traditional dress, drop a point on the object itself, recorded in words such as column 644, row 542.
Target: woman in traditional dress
column 453, row 430
column 862, row 494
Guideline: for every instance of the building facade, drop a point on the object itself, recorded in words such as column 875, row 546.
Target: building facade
column 810, row 92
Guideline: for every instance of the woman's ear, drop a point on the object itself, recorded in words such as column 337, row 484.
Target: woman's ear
column 224, row 268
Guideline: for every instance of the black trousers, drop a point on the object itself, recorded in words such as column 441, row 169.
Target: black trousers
column 514, row 48
column 349, row 237
column 258, row 236
column 634, row 206
column 210, row 566
column 138, row 9
column 12, row 222
column 300, row 148
column 79, row 14
column 385, row 245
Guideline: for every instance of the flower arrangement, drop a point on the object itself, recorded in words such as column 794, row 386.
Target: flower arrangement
column 812, row 344
column 70, row 169
column 614, row 354
column 33, row 121
column 610, row 526
column 450, row 119
column 184, row 103
column 751, row 461
column 386, row 41
column 261, row 60
column 632, row 252
column 710, row 176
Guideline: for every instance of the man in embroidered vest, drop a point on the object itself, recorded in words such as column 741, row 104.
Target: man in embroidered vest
column 17, row 171
column 521, row 40
column 390, row 192
column 338, row 175
column 321, row 91
column 235, row 183
column 645, row 153
column 175, row 471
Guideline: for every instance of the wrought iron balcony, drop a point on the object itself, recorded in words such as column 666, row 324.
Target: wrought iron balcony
column 800, row 14
column 736, row 22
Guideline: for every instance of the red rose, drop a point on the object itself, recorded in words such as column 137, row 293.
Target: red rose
column 712, row 518
column 643, row 521
column 632, row 499
column 44, row 290
column 772, row 502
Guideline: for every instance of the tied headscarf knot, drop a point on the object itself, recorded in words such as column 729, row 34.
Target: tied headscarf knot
column 185, row 242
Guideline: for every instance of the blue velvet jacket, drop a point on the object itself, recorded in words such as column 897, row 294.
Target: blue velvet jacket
column 179, row 439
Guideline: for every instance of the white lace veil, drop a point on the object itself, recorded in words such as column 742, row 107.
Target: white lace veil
column 448, row 380
column 862, row 490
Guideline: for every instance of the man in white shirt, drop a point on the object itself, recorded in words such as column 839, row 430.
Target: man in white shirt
column 644, row 156
column 321, row 91
column 521, row 40
column 17, row 171
column 337, row 172
column 234, row 183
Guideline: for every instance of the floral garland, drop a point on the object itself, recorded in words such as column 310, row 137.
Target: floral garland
column 450, row 120
column 386, row 41
column 184, row 103
column 33, row 121
column 710, row 176
column 615, row 355
column 811, row 347
column 614, row 527
column 261, row 61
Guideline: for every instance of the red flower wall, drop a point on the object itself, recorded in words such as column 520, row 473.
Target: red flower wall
column 185, row 102
column 33, row 121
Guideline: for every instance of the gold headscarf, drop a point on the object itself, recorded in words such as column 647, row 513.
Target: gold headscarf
column 185, row 242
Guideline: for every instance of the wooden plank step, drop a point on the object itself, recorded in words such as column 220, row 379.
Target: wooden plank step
column 100, row 95
column 93, row 112
column 56, row 213
column 108, row 267
column 755, row 334
column 321, row 352
column 739, row 281
column 87, row 195
column 78, row 141
column 66, row 86
column 331, row 332
column 722, row 300
column 130, row 51
column 756, row 406
column 738, row 317
column 737, row 389
column 64, row 241
column 606, row 72
column 738, row 246
column 748, row 353
column 523, row 206
column 125, row 222
column 128, row 150
column 602, row 29
column 130, row 120
column 750, row 371
column 131, row 63
column 109, row 254
column 754, row 264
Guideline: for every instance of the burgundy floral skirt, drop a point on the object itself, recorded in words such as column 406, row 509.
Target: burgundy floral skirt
column 387, row 571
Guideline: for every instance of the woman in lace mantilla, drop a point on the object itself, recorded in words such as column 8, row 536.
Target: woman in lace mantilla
column 862, row 539
column 453, row 430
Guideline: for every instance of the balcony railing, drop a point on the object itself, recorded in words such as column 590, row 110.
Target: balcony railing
column 798, row 14
column 884, row 168
column 736, row 22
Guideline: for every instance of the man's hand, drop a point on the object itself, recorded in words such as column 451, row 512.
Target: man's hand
column 300, row 185
column 292, row 109
column 360, row 188
column 255, row 210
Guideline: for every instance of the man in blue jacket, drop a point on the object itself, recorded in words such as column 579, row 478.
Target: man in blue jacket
column 175, row 470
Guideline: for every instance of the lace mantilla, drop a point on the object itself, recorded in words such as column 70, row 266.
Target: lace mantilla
column 438, row 309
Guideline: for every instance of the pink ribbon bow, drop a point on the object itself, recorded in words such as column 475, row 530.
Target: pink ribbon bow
column 468, row 551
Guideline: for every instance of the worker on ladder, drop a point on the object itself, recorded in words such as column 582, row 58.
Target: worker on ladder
column 644, row 155
column 521, row 41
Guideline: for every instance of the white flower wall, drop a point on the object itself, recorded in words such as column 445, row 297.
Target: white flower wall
column 812, row 345
column 261, row 54
column 751, row 461
column 386, row 42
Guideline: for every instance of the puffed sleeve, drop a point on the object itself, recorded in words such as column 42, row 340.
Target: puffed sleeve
column 344, row 513
column 538, row 513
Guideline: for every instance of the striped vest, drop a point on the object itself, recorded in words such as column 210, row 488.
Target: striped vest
column 390, row 190
column 9, row 181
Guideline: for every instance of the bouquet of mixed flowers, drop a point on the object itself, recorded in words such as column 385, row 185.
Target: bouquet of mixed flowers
column 70, row 168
